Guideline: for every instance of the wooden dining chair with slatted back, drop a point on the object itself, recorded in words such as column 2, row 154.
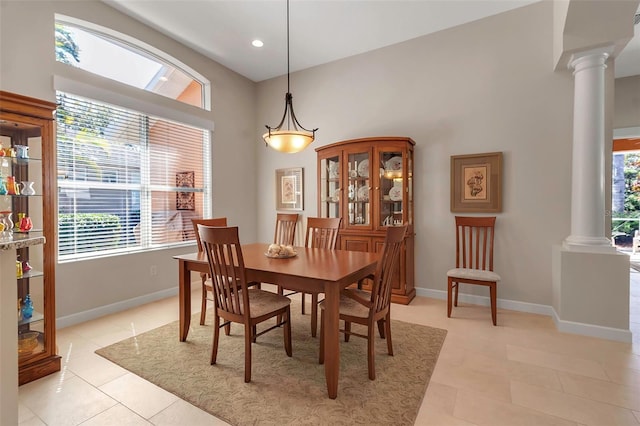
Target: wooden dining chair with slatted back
column 207, row 289
column 474, row 259
column 285, row 234
column 234, row 301
column 368, row 309
column 322, row 232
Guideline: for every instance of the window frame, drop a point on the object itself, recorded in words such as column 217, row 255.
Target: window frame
column 75, row 81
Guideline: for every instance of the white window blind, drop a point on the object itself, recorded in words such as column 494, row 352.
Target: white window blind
column 126, row 181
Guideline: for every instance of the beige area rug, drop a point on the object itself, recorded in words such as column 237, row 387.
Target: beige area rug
column 286, row 390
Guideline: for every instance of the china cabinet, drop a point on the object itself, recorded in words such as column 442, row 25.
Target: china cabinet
column 368, row 182
column 28, row 210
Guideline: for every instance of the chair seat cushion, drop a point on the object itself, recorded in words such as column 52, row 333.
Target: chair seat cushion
column 263, row 302
column 473, row 274
column 350, row 307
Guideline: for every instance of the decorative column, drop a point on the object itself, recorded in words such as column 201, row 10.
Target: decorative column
column 588, row 168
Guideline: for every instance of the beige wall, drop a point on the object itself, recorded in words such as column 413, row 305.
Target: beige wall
column 627, row 104
column 481, row 87
column 27, row 66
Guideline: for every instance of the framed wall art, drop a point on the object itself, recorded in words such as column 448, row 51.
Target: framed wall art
column 476, row 183
column 289, row 189
column 185, row 200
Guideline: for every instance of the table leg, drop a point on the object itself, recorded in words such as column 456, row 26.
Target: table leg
column 332, row 339
column 184, row 299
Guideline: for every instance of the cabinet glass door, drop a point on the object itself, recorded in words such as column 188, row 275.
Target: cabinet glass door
column 391, row 189
column 330, row 170
column 358, row 191
column 21, row 213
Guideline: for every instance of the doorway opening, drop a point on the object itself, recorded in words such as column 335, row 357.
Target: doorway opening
column 625, row 218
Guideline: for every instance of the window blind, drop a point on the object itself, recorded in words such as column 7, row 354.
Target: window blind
column 127, row 181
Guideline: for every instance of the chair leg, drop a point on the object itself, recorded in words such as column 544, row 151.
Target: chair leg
column 248, row 337
column 287, row 333
column 347, row 331
column 449, row 288
column 203, row 307
column 371, row 363
column 314, row 313
column 387, row 326
column 303, row 302
column 216, row 337
column 492, row 291
column 381, row 328
column 321, row 354
column 455, row 297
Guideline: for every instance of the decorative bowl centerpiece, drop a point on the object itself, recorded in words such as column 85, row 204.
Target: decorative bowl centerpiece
column 280, row 251
column 27, row 342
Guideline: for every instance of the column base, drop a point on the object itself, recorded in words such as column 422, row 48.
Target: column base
column 591, row 289
column 588, row 244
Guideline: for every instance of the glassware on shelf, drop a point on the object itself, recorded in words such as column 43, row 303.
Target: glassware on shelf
column 13, row 187
column 27, row 188
column 5, row 219
column 27, row 307
column 26, row 224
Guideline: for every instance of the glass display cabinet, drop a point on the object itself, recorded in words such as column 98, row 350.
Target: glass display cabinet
column 369, row 184
column 27, row 209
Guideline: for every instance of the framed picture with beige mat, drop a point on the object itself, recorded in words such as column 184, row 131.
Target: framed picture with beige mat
column 476, row 183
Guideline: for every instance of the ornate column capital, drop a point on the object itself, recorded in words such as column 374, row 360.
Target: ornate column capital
column 590, row 58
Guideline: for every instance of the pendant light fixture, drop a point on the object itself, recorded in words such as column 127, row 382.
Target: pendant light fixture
column 294, row 138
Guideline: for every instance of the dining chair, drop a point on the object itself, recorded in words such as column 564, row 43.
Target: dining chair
column 368, row 309
column 285, row 232
column 234, row 301
column 204, row 276
column 322, row 232
column 474, row 259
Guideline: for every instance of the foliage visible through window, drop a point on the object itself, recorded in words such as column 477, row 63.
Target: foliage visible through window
column 126, row 180
column 626, row 195
column 101, row 54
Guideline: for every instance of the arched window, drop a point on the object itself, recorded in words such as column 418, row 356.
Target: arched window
column 132, row 172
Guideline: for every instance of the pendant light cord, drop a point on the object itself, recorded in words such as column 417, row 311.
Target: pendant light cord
column 288, row 86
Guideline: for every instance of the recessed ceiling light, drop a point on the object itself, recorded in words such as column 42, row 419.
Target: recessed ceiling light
column 163, row 78
column 257, row 43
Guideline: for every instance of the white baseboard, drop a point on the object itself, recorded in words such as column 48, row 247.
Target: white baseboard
column 602, row 332
column 591, row 330
column 83, row 316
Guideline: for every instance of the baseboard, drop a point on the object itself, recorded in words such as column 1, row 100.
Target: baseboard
column 512, row 305
column 591, row 330
column 83, row 316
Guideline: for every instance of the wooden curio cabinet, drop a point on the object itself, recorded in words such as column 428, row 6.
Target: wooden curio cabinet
column 27, row 190
column 369, row 184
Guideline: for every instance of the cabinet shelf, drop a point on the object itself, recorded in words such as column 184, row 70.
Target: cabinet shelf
column 37, row 316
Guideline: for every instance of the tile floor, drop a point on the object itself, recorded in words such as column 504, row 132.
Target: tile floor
column 522, row 372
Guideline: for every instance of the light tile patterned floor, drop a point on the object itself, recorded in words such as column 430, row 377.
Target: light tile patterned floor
column 522, row 372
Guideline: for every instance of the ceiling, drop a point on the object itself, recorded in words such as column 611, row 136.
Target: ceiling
column 321, row 31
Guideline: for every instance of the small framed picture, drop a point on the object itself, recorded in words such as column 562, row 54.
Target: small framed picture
column 185, row 200
column 476, row 183
column 289, row 189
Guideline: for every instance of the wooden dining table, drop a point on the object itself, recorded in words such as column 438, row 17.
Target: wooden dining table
column 312, row 270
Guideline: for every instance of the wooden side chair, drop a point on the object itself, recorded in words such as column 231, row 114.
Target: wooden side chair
column 285, row 232
column 207, row 289
column 369, row 309
column 234, row 301
column 322, row 232
column 474, row 259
